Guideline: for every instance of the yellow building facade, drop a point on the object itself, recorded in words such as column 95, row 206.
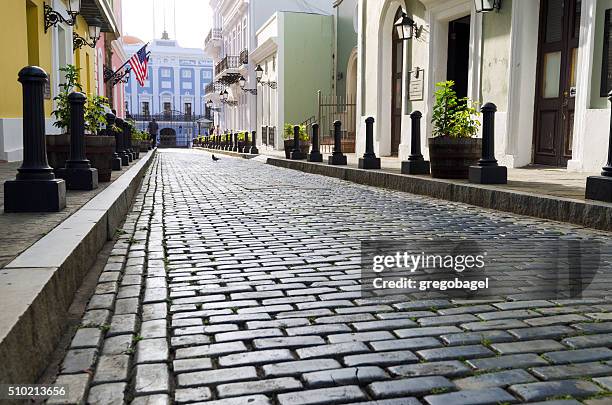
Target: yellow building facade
column 23, row 42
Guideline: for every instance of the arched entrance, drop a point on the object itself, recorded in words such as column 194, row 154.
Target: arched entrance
column 351, row 77
column 397, row 72
column 167, row 138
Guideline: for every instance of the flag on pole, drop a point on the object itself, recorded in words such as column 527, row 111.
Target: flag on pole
column 139, row 62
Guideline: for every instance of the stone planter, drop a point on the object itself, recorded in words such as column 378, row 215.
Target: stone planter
column 451, row 157
column 144, row 146
column 98, row 149
column 288, row 145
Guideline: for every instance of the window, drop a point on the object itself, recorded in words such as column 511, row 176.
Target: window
column 166, row 84
column 186, row 73
column 207, row 74
column 167, row 108
column 187, row 108
column 145, row 108
column 187, row 85
column 165, row 72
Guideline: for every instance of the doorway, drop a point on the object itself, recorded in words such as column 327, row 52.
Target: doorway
column 397, row 62
column 457, row 65
column 556, row 81
column 167, row 138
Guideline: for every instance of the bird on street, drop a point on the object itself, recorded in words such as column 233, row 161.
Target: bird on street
column 214, row 158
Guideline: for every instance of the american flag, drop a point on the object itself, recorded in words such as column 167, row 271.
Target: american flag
column 139, row 63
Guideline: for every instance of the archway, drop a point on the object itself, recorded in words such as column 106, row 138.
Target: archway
column 351, row 77
column 167, row 138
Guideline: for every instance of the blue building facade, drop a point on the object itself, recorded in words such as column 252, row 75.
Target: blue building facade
column 173, row 93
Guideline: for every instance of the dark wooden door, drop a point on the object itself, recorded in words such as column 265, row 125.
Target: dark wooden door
column 396, row 89
column 556, row 81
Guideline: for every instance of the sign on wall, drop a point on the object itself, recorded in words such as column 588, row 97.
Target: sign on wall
column 416, row 84
column 606, row 69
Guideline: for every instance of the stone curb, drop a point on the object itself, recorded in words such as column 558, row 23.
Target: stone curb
column 590, row 214
column 228, row 153
column 39, row 285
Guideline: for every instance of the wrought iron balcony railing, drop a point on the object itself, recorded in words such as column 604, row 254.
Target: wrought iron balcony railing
column 229, row 62
column 244, row 57
column 213, row 34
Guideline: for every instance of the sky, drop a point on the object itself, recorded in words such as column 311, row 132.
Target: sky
column 193, row 20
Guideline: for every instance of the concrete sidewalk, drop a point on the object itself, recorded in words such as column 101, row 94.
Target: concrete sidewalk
column 542, row 180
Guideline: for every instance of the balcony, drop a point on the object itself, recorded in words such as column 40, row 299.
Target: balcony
column 213, row 35
column 213, row 87
column 244, row 57
column 226, row 70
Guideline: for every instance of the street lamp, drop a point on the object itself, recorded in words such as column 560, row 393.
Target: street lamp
column 485, row 6
column 209, row 104
column 406, row 28
column 52, row 17
column 94, row 34
column 259, row 73
column 242, row 83
column 223, row 95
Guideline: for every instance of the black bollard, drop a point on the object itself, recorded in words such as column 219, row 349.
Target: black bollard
column 369, row 159
column 337, row 158
column 35, row 188
column 600, row 187
column 296, row 152
column 78, row 173
column 236, row 148
column 125, row 160
column 128, row 144
column 246, row 148
column 315, row 153
column 254, row 149
column 110, row 122
column 415, row 164
column 488, row 171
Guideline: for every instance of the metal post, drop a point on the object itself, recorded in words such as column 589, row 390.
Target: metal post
column 415, row 163
column 35, row 188
column 600, row 187
column 254, row 149
column 369, row 159
column 488, row 171
column 337, row 158
column 110, row 123
column 246, row 148
column 125, row 160
column 315, row 153
column 296, row 152
column 78, row 173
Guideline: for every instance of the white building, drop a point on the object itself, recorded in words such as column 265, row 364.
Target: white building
column 539, row 61
column 230, row 42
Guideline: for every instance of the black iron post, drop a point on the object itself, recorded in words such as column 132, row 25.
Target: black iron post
column 236, row 148
column 254, row 149
column 35, row 188
column 415, row 164
column 488, row 171
column 315, row 153
column 128, row 143
column 600, row 187
column 78, row 173
column 369, row 159
column 337, row 158
column 119, row 139
column 110, row 124
column 246, row 148
column 296, row 152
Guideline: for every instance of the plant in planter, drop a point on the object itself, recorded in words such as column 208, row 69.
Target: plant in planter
column 95, row 113
column 71, row 83
column 288, row 139
column 453, row 148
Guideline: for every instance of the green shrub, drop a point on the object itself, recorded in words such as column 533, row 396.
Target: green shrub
column 288, row 132
column 452, row 116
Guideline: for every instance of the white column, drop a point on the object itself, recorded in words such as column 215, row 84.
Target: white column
column 584, row 73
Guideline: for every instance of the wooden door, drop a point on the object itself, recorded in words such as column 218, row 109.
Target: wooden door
column 396, row 88
column 556, row 81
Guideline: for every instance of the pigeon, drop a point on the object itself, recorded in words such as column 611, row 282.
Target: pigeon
column 214, row 158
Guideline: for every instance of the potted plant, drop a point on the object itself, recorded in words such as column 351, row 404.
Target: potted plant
column 453, row 147
column 98, row 148
column 289, row 141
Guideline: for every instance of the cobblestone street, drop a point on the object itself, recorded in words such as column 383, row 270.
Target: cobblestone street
column 238, row 283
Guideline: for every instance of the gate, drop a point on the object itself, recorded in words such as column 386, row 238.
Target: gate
column 330, row 109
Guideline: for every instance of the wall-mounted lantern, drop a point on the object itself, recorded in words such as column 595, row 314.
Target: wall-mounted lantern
column 407, row 28
column 52, row 17
column 94, row 34
column 242, row 83
column 259, row 76
column 485, row 6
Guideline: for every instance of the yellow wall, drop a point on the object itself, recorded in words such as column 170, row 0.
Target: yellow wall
column 16, row 53
column 23, row 20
